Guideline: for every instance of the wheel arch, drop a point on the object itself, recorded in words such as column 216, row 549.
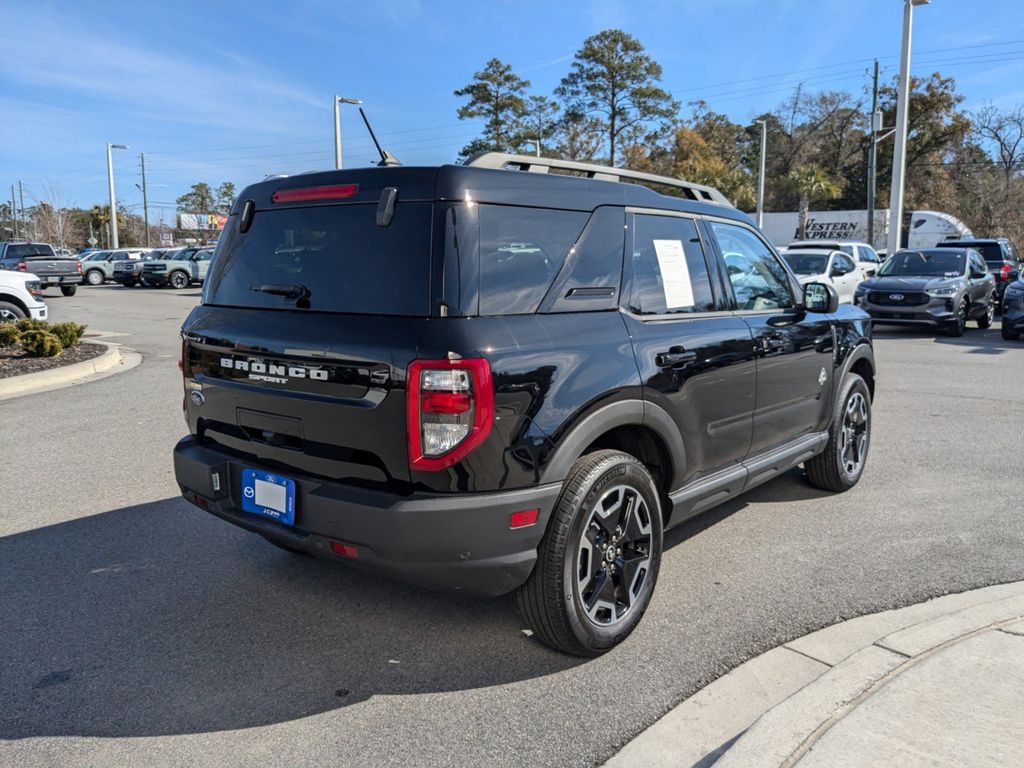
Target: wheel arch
column 862, row 362
column 11, row 299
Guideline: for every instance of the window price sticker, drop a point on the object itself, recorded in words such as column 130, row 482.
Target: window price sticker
column 675, row 274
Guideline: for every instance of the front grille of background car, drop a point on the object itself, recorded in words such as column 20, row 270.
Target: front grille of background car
column 915, row 298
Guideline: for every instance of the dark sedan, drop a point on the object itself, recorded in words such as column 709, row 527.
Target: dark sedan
column 940, row 288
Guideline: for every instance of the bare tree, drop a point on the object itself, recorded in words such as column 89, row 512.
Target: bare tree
column 1003, row 130
column 53, row 218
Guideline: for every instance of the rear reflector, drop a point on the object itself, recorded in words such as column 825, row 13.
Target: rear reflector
column 523, row 519
column 345, row 550
column 305, row 194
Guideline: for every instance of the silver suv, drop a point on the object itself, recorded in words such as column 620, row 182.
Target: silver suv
column 932, row 287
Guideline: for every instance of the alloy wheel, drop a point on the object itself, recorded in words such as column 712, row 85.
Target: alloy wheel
column 853, row 445
column 614, row 554
column 6, row 314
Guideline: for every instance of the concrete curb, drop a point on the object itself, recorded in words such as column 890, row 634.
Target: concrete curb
column 115, row 359
column 770, row 710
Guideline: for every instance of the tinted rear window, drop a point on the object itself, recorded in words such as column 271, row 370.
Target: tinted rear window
column 991, row 252
column 28, row 250
column 521, row 251
column 338, row 253
column 806, row 263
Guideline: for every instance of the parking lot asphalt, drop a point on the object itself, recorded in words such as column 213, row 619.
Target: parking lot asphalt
column 136, row 629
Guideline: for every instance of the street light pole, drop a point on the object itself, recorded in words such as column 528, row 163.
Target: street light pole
column 899, row 153
column 338, row 101
column 110, row 183
column 760, row 173
column 145, row 200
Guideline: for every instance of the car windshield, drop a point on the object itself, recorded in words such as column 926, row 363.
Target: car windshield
column 924, row 264
column 807, row 263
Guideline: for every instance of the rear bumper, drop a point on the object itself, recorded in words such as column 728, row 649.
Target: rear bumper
column 452, row 541
column 52, row 281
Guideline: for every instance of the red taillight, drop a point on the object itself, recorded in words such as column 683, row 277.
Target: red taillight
column 523, row 519
column 22, row 266
column 449, row 410
column 78, row 264
column 345, row 550
column 305, row 194
column 1004, row 273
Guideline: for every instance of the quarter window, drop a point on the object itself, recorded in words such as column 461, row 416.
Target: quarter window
column 759, row 281
column 670, row 274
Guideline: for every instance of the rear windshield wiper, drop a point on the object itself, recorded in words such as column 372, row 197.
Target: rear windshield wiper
column 297, row 292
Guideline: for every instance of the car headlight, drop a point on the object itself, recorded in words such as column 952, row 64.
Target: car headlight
column 948, row 290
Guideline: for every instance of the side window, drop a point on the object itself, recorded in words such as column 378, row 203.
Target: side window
column 844, row 263
column 670, row 273
column 867, row 253
column 521, row 251
column 759, row 281
column 593, row 271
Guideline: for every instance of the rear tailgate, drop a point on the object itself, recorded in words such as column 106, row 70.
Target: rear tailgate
column 319, row 395
column 45, row 266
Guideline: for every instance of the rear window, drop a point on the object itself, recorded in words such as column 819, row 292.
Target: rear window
column 28, row 250
column 806, row 263
column 337, row 253
column 991, row 252
column 521, row 251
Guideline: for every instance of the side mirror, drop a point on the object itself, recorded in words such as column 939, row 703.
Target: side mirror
column 820, row 297
column 977, row 274
column 837, row 272
column 1014, row 275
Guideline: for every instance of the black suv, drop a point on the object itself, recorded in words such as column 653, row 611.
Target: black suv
column 999, row 256
column 489, row 378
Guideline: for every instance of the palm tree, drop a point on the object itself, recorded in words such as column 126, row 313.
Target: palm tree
column 812, row 184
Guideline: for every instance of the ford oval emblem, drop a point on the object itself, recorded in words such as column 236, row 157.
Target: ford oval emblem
column 896, row 296
column 197, row 398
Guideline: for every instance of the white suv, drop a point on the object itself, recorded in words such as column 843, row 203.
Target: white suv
column 863, row 254
column 20, row 296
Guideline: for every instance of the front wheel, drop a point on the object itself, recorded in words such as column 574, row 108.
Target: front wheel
column 10, row 311
column 958, row 326
column 598, row 562
column 985, row 321
column 69, row 290
column 178, row 280
column 840, row 465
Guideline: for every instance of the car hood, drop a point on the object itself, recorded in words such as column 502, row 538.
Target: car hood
column 908, row 283
column 13, row 279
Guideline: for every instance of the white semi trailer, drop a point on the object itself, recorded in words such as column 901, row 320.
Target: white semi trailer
column 927, row 228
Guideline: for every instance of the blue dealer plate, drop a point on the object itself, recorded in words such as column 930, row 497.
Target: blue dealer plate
column 268, row 495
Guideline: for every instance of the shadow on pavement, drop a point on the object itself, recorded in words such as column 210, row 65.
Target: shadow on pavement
column 979, row 342
column 158, row 619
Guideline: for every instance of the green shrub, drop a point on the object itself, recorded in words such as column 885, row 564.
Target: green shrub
column 40, row 343
column 9, row 334
column 68, row 333
column 28, row 324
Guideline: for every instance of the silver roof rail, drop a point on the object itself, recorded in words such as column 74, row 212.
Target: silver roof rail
column 503, row 161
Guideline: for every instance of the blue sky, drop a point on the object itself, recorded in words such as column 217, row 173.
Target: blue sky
column 234, row 91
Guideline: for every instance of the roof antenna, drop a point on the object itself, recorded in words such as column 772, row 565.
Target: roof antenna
column 386, row 158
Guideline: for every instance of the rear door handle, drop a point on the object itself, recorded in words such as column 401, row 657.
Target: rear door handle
column 675, row 356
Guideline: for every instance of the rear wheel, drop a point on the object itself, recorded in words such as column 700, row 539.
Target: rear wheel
column 598, row 562
column 10, row 311
column 840, row 465
column 178, row 280
column 985, row 321
column 69, row 290
column 958, row 326
column 94, row 277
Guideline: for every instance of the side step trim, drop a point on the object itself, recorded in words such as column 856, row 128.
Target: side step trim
column 732, row 481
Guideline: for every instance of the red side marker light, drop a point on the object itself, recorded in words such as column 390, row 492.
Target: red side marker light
column 523, row 519
column 345, row 550
column 305, row 194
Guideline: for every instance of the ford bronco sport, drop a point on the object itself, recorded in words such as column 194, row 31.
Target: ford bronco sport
column 509, row 375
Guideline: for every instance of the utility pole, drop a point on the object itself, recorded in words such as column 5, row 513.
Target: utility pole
column 113, row 202
column 538, row 146
column 873, row 161
column 760, row 174
column 899, row 153
column 21, row 204
column 145, row 200
column 14, row 213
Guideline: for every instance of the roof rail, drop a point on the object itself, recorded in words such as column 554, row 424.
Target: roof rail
column 503, row 161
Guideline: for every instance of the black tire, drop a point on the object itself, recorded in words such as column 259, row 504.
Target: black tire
column 553, row 600
column 985, row 321
column 95, row 277
column 830, row 470
column 10, row 312
column 1008, row 335
column 958, row 326
column 178, row 280
column 69, row 290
